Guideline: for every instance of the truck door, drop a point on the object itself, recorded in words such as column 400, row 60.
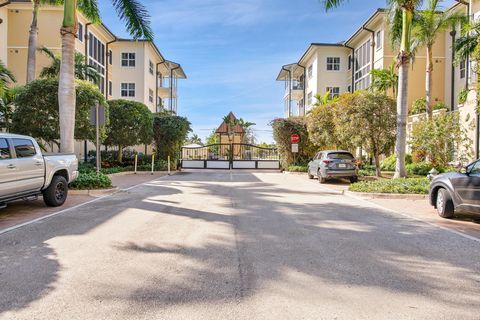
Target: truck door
column 30, row 165
column 467, row 186
column 8, row 170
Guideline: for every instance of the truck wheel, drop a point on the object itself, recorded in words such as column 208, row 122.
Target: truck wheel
column 444, row 204
column 56, row 193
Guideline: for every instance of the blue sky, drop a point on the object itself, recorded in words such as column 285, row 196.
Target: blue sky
column 232, row 51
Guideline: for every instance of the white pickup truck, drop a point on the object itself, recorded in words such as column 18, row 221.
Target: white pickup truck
column 26, row 173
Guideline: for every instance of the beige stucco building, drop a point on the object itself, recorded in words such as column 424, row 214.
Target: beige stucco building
column 345, row 67
column 129, row 69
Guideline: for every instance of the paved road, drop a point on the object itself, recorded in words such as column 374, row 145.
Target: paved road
column 236, row 246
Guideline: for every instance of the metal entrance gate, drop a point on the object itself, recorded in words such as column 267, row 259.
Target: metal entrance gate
column 229, row 156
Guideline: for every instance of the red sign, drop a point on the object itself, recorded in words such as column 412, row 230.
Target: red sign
column 294, row 138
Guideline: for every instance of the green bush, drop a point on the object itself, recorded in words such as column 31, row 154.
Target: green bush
column 91, row 180
column 403, row 186
column 298, row 168
column 160, row 165
column 367, row 172
column 388, row 164
column 420, row 168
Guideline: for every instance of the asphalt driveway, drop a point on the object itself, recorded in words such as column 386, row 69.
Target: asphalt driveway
column 241, row 245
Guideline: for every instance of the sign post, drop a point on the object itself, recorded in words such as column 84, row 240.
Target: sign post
column 294, row 139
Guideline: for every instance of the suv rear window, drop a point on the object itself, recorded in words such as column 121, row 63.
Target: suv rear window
column 24, row 148
column 4, row 150
column 340, row 155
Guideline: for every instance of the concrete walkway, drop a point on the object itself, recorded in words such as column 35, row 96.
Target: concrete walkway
column 236, row 245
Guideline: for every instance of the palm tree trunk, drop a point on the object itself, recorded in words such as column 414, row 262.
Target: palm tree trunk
column 402, row 108
column 66, row 84
column 32, row 43
column 428, row 84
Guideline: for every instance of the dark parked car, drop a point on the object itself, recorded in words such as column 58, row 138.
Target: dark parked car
column 457, row 191
column 333, row 164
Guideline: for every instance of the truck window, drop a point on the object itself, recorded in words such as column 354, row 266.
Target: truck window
column 24, row 148
column 4, row 150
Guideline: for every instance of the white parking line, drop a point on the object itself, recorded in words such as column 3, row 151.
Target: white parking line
column 3, row 231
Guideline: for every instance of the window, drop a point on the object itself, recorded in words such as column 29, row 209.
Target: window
column 333, row 92
column 96, row 58
column 349, row 89
column 128, row 59
column 150, row 95
column 350, row 62
column 80, row 32
column 150, row 67
column 24, row 148
column 159, row 104
column 110, row 55
column 379, row 40
column 4, row 150
column 310, row 71
column 110, row 88
column 362, row 65
column 463, row 69
column 127, row 90
column 309, row 98
column 333, row 64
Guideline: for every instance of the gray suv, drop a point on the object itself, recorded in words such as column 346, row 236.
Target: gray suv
column 333, row 164
column 457, row 191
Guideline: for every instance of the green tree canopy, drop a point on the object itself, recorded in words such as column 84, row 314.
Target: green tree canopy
column 130, row 124
column 36, row 112
column 170, row 132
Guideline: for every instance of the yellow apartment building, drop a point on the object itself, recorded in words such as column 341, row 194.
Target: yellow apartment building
column 129, row 69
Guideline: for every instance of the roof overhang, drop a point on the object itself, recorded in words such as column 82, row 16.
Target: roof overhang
column 360, row 30
column 287, row 70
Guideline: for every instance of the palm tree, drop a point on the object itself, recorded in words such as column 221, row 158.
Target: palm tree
column 400, row 10
column 195, row 139
column 468, row 46
column 82, row 71
column 135, row 16
column 249, row 134
column 6, row 96
column 385, row 79
column 33, row 37
column 428, row 23
column 6, row 77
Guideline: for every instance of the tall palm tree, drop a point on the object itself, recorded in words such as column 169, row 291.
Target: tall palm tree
column 400, row 11
column 6, row 96
column 6, row 77
column 468, row 46
column 136, row 18
column 428, row 23
column 82, row 71
column 385, row 79
column 33, row 37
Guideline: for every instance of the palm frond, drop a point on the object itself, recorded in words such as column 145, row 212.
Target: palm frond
column 52, row 2
column 6, row 75
column 330, row 4
column 48, row 52
column 136, row 18
column 90, row 9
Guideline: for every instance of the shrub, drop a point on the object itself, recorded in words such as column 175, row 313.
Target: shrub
column 419, row 168
column 402, row 186
column 463, row 96
column 298, row 168
column 367, row 172
column 388, row 164
column 169, row 133
column 90, row 180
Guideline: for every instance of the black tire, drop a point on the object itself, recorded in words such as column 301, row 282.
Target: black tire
column 56, row 193
column 353, row 179
column 310, row 176
column 320, row 178
column 444, row 204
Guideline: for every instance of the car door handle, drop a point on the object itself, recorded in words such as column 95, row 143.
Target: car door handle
column 39, row 163
column 11, row 166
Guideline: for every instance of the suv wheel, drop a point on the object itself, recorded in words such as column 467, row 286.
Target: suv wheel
column 321, row 179
column 56, row 193
column 310, row 176
column 444, row 204
column 353, row 179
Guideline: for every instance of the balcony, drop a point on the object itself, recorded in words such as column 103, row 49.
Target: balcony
column 166, row 93
column 296, row 89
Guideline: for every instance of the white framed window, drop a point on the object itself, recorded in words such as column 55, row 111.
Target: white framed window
column 110, row 87
column 349, row 89
column 110, row 57
column 463, row 69
column 349, row 62
column 80, row 32
column 128, row 59
column 379, row 40
column 362, row 65
column 96, row 58
column 333, row 92
column 310, row 71
column 309, row 98
column 333, row 63
column 150, row 66
column 150, row 95
column 127, row 89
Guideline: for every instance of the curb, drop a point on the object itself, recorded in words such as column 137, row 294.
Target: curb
column 124, row 173
column 366, row 195
column 295, row 173
column 94, row 192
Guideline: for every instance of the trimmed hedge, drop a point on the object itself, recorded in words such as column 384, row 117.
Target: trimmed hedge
column 297, row 168
column 90, row 180
column 160, row 165
column 402, row 186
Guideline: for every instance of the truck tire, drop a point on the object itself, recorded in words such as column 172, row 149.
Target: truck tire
column 56, row 193
column 444, row 204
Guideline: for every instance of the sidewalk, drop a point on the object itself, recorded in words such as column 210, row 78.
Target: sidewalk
column 23, row 211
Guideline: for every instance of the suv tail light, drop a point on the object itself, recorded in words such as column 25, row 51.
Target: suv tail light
column 327, row 161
